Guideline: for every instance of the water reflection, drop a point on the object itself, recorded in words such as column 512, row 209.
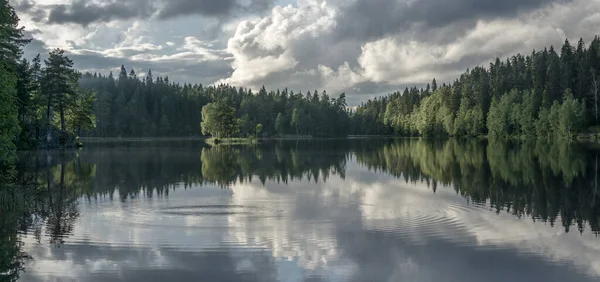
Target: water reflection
column 354, row 210
column 543, row 180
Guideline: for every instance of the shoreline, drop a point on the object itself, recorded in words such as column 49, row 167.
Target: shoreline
column 581, row 138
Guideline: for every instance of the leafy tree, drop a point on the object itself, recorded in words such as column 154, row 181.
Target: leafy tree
column 571, row 115
column 296, row 120
column 81, row 116
column 543, row 127
column 259, row 129
column 219, row 120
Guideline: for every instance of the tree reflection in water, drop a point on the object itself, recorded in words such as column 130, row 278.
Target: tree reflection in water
column 547, row 181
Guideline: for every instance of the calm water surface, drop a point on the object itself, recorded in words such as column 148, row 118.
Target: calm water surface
column 354, row 210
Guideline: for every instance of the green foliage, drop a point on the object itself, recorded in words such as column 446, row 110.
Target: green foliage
column 546, row 180
column 543, row 127
column 81, row 115
column 280, row 124
column 246, row 127
column 11, row 42
column 516, row 98
column 259, row 129
column 129, row 106
column 430, row 117
column 504, row 119
column 59, row 86
column 297, row 119
column 571, row 116
column 219, row 120
column 9, row 124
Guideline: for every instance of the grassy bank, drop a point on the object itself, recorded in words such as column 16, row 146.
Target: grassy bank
column 231, row 141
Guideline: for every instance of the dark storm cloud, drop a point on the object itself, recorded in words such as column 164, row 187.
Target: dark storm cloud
column 177, row 8
column 29, row 7
column 189, row 7
column 84, row 12
column 367, row 19
column 22, row 5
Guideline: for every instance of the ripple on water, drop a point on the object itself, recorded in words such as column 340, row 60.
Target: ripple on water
column 419, row 223
column 221, row 210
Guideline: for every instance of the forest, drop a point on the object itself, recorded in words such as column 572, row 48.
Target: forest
column 48, row 103
column 128, row 106
column 541, row 95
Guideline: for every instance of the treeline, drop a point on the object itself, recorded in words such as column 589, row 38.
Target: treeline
column 40, row 102
column 544, row 94
column 128, row 106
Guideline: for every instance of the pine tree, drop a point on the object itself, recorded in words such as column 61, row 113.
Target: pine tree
column 59, row 85
column 280, row 124
column 553, row 77
column 568, row 70
column 11, row 43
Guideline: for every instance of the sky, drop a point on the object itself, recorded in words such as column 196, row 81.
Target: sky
column 364, row 48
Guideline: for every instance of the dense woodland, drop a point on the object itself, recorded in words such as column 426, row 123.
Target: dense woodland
column 546, row 94
column 129, row 106
column 46, row 103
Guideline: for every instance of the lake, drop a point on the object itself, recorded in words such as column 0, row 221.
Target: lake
column 306, row 210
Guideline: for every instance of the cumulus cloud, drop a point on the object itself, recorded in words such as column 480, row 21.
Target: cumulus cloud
column 85, row 12
column 268, row 46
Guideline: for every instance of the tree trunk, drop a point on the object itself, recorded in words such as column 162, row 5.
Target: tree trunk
column 48, row 118
column 595, row 93
column 595, row 182
column 62, row 117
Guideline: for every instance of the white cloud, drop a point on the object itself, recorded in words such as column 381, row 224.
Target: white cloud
column 400, row 60
column 264, row 47
column 345, row 77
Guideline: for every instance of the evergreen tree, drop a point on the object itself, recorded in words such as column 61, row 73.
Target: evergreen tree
column 280, row 123
column 58, row 85
column 11, row 43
